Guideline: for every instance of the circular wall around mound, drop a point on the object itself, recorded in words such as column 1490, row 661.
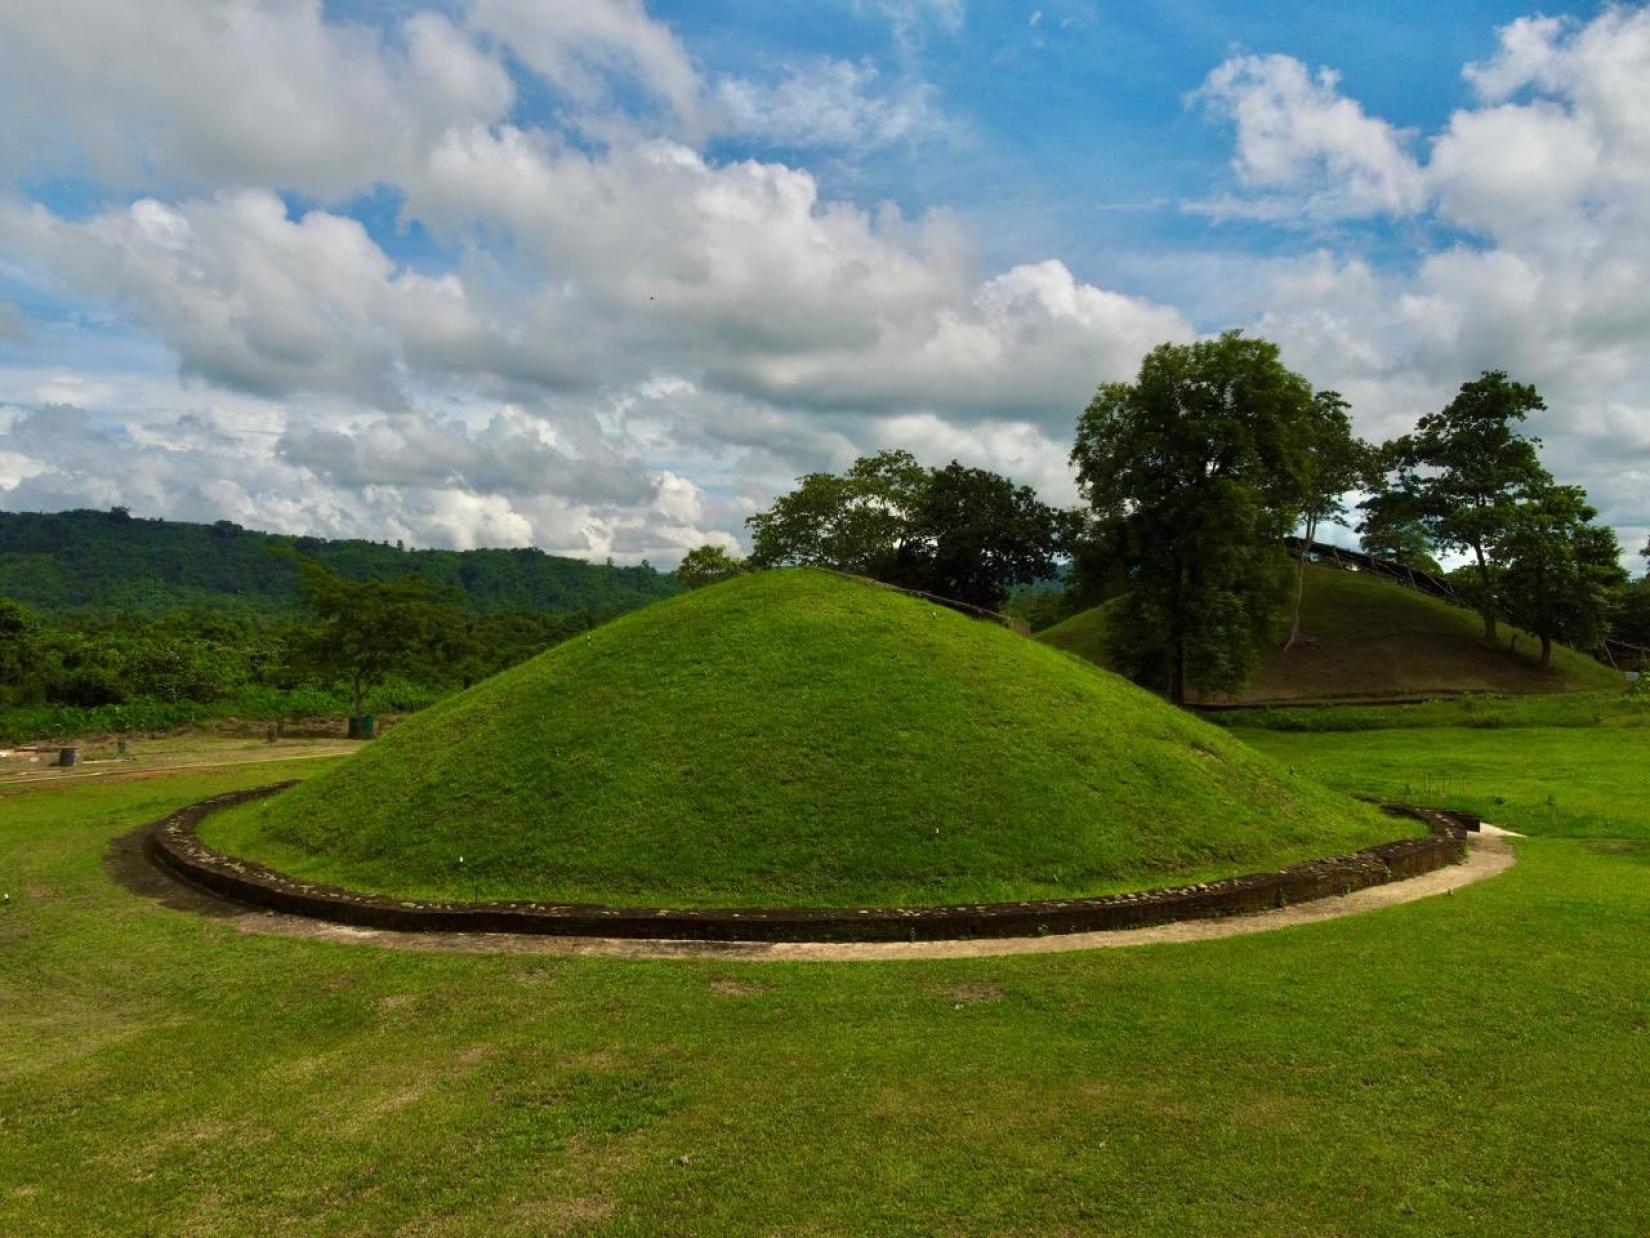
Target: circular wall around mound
column 175, row 844
column 795, row 738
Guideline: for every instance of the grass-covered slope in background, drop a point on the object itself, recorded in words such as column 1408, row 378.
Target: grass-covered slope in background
column 796, row 738
column 1369, row 638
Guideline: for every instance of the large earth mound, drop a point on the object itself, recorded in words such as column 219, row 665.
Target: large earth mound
column 1369, row 639
column 797, row 738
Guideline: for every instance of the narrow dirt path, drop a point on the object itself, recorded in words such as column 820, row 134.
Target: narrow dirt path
column 52, row 775
column 1490, row 853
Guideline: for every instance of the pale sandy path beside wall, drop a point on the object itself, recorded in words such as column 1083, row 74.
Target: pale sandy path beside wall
column 1490, row 853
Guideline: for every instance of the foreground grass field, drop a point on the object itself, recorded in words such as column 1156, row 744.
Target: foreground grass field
column 797, row 738
column 1475, row 1063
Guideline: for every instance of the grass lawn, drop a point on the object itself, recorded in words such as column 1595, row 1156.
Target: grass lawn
column 797, row 738
column 1569, row 782
column 1476, row 1063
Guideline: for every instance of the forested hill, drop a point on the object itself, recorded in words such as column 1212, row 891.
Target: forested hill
column 96, row 562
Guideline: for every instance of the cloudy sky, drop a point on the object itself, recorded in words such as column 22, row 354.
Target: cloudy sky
column 603, row 276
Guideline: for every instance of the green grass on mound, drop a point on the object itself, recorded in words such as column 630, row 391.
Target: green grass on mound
column 1369, row 638
column 796, row 738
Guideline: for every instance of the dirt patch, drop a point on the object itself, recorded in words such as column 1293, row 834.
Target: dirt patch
column 737, row 988
column 960, row 995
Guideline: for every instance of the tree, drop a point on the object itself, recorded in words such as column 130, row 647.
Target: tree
column 1338, row 460
column 965, row 533
column 1562, row 572
column 853, row 522
column 708, row 565
column 1464, row 470
column 367, row 629
column 1397, row 538
column 18, row 650
column 974, row 535
column 1198, row 468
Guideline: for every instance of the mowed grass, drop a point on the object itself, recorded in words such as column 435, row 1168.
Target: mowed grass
column 1575, row 781
column 1368, row 637
column 1471, row 1064
column 796, row 738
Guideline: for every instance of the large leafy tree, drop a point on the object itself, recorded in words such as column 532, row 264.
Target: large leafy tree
column 1337, row 461
column 1464, row 471
column 976, row 535
column 364, row 630
column 858, row 521
column 1561, row 573
column 1198, row 469
column 961, row 532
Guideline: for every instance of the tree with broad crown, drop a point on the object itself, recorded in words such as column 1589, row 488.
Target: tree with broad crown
column 976, row 534
column 960, row 532
column 1198, row 469
column 366, row 629
column 1338, row 460
column 708, row 565
column 853, row 522
column 1562, row 573
column 1464, row 470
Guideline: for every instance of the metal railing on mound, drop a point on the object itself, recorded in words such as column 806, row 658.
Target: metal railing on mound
column 1617, row 654
column 1357, row 561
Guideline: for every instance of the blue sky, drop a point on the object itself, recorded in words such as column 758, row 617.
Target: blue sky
column 605, row 276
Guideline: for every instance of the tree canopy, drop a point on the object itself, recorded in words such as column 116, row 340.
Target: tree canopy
column 366, row 629
column 1463, row 473
column 708, row 565
column 1197, row 470
column 964, row 533
column 1561, row 573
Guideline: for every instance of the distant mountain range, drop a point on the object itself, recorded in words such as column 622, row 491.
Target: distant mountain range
column 110, row 562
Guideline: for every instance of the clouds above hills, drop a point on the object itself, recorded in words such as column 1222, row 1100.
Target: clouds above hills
column 513, row 272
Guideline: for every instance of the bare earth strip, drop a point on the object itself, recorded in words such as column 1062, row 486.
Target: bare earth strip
column 1490, row 853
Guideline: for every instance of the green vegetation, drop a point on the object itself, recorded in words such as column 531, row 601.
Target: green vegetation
column 142, row 625
column 1196, row 471
column 708, row 565
column 1470, row 1064
column 1476, row 711
column 1364, row 637
column 89, row 563
column 1571, row 781
column 957, row 532
column 1339, row 460
column 789, row 738
column 82, row 677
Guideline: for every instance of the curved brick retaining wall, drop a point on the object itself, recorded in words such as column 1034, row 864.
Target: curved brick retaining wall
column 174, row 843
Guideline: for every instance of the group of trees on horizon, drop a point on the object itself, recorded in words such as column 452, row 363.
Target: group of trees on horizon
column 1193, row 474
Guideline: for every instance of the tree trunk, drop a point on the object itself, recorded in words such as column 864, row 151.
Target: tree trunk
column 1490, row 635
column 1177, row 681
column 1300, row 586
column 1546, row 650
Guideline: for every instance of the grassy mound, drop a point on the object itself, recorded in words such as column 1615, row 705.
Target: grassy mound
column 796, row 738
column 1367, row 638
